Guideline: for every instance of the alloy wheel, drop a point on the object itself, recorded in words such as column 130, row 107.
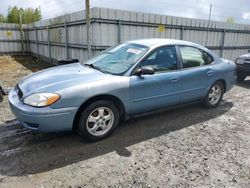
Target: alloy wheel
column 100, row 121
column 214, row 94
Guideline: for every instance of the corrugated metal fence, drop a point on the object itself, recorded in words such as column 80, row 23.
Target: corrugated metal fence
column 65, row 36
column 11, row 39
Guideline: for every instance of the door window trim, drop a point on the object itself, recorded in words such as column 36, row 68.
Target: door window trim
column 181, row 60
column 153, row 51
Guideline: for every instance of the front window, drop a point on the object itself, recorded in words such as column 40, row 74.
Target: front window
column 162, row 59
column 119, row 59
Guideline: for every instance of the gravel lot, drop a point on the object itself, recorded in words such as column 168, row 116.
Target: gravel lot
column 185, row 147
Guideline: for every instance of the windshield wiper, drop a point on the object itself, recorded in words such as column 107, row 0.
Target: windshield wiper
column 88, row 65
column 95, row 67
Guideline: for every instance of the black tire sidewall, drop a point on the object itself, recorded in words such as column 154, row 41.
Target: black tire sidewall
column 206, row 100
column 82, row 129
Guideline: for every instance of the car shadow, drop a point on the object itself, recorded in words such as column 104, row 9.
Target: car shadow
column 245, row 84
column 22, row 153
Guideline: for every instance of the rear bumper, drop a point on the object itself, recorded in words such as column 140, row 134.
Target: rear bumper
column 44, row 119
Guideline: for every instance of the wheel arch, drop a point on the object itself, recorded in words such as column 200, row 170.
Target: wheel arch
column 224, row 84
column 119, row 104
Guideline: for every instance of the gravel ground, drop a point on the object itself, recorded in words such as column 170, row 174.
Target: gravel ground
column 185, row 147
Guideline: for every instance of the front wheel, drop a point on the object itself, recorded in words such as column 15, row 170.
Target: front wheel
column 98, row 120
column 214, row 95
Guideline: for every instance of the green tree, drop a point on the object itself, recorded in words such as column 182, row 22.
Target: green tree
column 13, row 15
column 37, row 14
column 230, row 20
column 2, row 19
column 28, row 15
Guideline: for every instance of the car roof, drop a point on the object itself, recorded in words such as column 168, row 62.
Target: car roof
column 157, row 42
column 161, row 41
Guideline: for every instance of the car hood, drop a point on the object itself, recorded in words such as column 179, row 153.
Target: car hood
column 58, row 78
column 245, row 56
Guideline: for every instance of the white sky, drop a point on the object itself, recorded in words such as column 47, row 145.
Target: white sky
column 222, row 9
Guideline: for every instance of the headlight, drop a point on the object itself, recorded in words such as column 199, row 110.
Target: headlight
column 41, row 99
column 240, row 61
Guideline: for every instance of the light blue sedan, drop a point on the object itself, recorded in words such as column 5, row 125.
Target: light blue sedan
column 130, row 79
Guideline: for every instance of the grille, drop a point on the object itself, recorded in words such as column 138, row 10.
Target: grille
column 247, row 61
column 19, row 92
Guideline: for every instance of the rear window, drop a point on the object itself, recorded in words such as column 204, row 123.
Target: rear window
column 194, row 57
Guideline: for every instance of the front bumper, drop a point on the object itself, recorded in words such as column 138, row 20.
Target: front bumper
column 245, row 68
column 44, row 119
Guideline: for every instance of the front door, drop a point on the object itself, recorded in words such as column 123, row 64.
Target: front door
column 151, row 92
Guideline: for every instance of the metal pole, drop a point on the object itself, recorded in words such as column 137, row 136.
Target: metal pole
column 119, row 31
column 210, row 11
column 21, row 32
column 49, row 44
column 87, row 7
column 182, row 31
column 66, row 40
column 27, row 40
column 222, row 42
column 37, row 48
column 209, row 20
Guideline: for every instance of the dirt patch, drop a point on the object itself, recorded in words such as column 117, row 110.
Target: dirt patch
column 12, row 69
column 15, row 68
column 185, row 147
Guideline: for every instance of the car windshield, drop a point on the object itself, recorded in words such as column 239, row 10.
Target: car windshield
column 117, row 60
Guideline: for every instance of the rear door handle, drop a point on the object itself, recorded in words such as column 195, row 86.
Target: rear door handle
column 173, row 80
column 210, row 73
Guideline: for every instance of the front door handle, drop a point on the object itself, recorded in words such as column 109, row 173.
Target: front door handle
column 210, row 73
column 173, row 80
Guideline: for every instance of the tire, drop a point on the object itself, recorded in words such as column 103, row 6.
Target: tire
column 214, row 95
column 98, row 120
column 241, row 76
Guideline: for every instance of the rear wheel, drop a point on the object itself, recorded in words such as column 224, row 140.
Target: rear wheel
column 214, row 95
column 241, row 76
column 98, row 120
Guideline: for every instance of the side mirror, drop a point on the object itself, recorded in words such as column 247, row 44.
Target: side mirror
column 147, row 70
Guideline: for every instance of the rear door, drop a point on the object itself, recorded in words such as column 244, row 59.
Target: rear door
column 197, row 73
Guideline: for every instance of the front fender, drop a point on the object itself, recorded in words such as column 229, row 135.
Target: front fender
column 77, row 93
